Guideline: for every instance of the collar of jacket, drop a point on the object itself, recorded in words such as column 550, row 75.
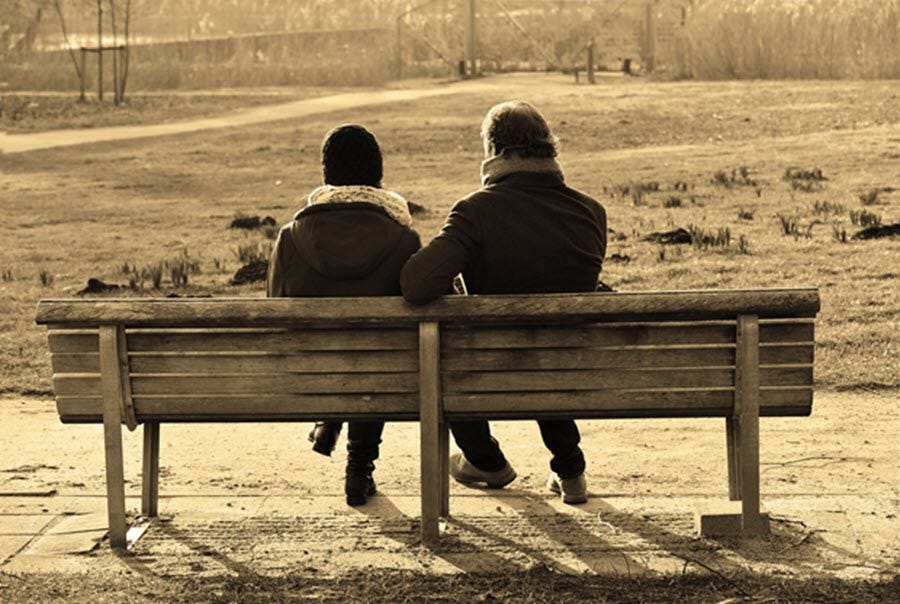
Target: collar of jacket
column 392, row 203
column 497, row 167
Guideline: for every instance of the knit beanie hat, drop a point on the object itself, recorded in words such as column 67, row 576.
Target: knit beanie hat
column 351, row 156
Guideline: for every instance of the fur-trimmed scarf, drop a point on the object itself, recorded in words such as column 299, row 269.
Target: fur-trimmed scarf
column 392, row 203
column 494, row 168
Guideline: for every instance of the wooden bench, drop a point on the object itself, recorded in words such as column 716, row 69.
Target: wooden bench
column 719, row 353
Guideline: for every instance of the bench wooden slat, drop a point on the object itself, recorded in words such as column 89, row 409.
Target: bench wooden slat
column 248, row 407
column 597, row 335
column 370, row 361
column 321, row 383
column 622, row 403
column 453, row 359
column 74, row 342
column 594, row 379
column 285, row 341
column 774, row 401
column 612, row 379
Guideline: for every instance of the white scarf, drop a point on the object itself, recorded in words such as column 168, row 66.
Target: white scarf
column 392, row 203
column 498, row 166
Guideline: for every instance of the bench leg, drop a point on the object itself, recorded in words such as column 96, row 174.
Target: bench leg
column 150, row 484
column 733, row 436
column 111, row 387
column 444, row 455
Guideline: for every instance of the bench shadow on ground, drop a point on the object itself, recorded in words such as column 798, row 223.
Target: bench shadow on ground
column 596, row 537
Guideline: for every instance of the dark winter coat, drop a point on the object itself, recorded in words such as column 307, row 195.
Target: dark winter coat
column 345, row 249
column 524, row 232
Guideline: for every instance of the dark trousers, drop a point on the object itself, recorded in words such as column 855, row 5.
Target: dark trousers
column 561, row 437
column 363, row 439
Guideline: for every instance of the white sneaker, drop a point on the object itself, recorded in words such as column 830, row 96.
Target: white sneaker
column 573, row 490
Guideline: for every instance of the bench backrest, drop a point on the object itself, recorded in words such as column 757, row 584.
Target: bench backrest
column 642, row 354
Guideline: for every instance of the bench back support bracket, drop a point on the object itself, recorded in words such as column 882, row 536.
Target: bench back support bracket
column 743, row 427
column 434, row 439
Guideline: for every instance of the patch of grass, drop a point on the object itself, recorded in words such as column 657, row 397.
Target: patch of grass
column 864, row 218
column 703, row 239
column 537, row 585
column 828, row 207
column 807, row 181
column 738, row 177
column 672, row 202
column 790, row 224
column 746, row 213
column 839, row 233
column 253, row 251
column 870, row 197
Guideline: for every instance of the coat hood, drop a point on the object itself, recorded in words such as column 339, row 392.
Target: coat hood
column 345, row 240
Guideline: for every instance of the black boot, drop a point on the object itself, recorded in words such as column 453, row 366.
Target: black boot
column 324, row 437
column 359, row 484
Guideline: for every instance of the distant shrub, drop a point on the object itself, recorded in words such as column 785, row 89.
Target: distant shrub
column 681, row 186
column 743, row 245
column 745, row 214
column 7, row 275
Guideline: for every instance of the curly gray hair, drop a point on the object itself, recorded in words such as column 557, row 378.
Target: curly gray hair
column 517, row 126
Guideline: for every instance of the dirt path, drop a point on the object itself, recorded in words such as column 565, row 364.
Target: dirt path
column 19, row 143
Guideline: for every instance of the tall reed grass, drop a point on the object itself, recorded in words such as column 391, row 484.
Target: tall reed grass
column 794, row 39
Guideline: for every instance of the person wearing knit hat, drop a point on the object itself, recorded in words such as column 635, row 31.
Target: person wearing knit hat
column 523, row 231
column 350, row 238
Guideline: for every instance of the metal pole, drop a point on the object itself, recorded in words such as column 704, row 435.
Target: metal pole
column 590, row 63
column 472, row 39
column 82, row 74
column 650, row 58
column 99, row 50
column 399, row 53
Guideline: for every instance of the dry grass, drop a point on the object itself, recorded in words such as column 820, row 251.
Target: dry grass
column 152, row 198
column 791, row 39
column 536, row 586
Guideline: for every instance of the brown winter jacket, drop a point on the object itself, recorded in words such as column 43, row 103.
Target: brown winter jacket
column 525, row 232
column 346, row 249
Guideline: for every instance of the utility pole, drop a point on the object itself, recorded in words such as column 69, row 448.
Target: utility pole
column 472, row 39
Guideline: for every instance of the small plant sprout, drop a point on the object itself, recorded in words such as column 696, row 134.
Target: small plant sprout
column 746, row 214
column 46, row 277
column 839, row 233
